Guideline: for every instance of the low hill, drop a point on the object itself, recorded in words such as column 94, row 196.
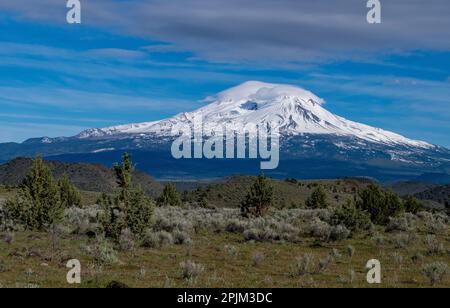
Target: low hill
column 288, row 193
column 87, row 177
column 439, row 194
column 410, row 187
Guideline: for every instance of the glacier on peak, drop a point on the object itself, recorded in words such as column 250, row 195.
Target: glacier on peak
column 290, row 109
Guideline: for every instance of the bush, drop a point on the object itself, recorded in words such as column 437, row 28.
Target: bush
column 102, row 252
column 379, row 204
column 403, row 240
column 434, row 247
column 261, row 235
column 191, row 270
column 339, row 233
column 157, row 240
column 350, row 251
column 150, row 240
column 236, row 226
column 126, row 240
column 181, row 238
column 435, row 272
column 257, row 258
column 231, row 250
column 353, row 218
column 319, row 229
column 412, row 205
column 169, row 196
column 258, row 199
column 303, row 265
column 324, row 264
column 399, row 224
column 83, row 221
column 318, row 199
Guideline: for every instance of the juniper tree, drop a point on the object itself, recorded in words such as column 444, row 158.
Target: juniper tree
column 379, row 204
column 258, row 199
column 68, row 193
column 318, row 199
column 37, row 205
column 169, row 196
column 412, row 205
column 130, row 209
column 351, row 217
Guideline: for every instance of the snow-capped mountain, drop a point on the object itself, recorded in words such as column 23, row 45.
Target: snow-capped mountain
column 292, row 110
column 314, row 143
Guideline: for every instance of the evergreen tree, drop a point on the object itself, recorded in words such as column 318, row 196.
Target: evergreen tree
column 169, row 196
column 258, row 199
column 68, row 193
column 318, row 199
column 353, row 218
column 112, row 219
column 130, row 209
column 412, row 205
column 37, row 204
column 379, row 204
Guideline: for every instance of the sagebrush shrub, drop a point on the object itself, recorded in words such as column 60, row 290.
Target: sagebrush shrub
column 319, row 229
column 191, row 270
column 126, row 240
column 257, row 258
column 103, row 252
column 303, row 265
column 150, row 240
column 400, row 224
column 435, row 272
column 181, row 238
column 350, row 251
column 339, row 233
column 324, row 264
column 433, row 246
column 157, row 239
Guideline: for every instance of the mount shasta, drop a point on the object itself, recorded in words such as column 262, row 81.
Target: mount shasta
column 314, row 143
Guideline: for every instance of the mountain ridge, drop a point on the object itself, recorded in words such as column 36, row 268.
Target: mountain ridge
column 314, row 143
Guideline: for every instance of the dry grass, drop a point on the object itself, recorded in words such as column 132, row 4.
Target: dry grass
column 27, row 262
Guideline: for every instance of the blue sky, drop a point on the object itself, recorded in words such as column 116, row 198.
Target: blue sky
column 134, row 61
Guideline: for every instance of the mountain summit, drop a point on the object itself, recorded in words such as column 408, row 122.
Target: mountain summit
column 293, row 110
column 314, row 143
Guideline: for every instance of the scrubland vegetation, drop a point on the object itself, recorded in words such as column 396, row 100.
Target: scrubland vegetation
column 128, row 239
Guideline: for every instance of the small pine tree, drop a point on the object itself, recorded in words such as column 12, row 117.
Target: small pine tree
column 37, row 205
column 204, row 202
column 112, row 219
column 139, row 211
column 259, row 198
column 412, row 205
column 130, row 209
column 318, row 199
column 169, row 196
column 69, row 195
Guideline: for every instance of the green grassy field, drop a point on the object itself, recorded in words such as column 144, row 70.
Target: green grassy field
column 36, row 260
